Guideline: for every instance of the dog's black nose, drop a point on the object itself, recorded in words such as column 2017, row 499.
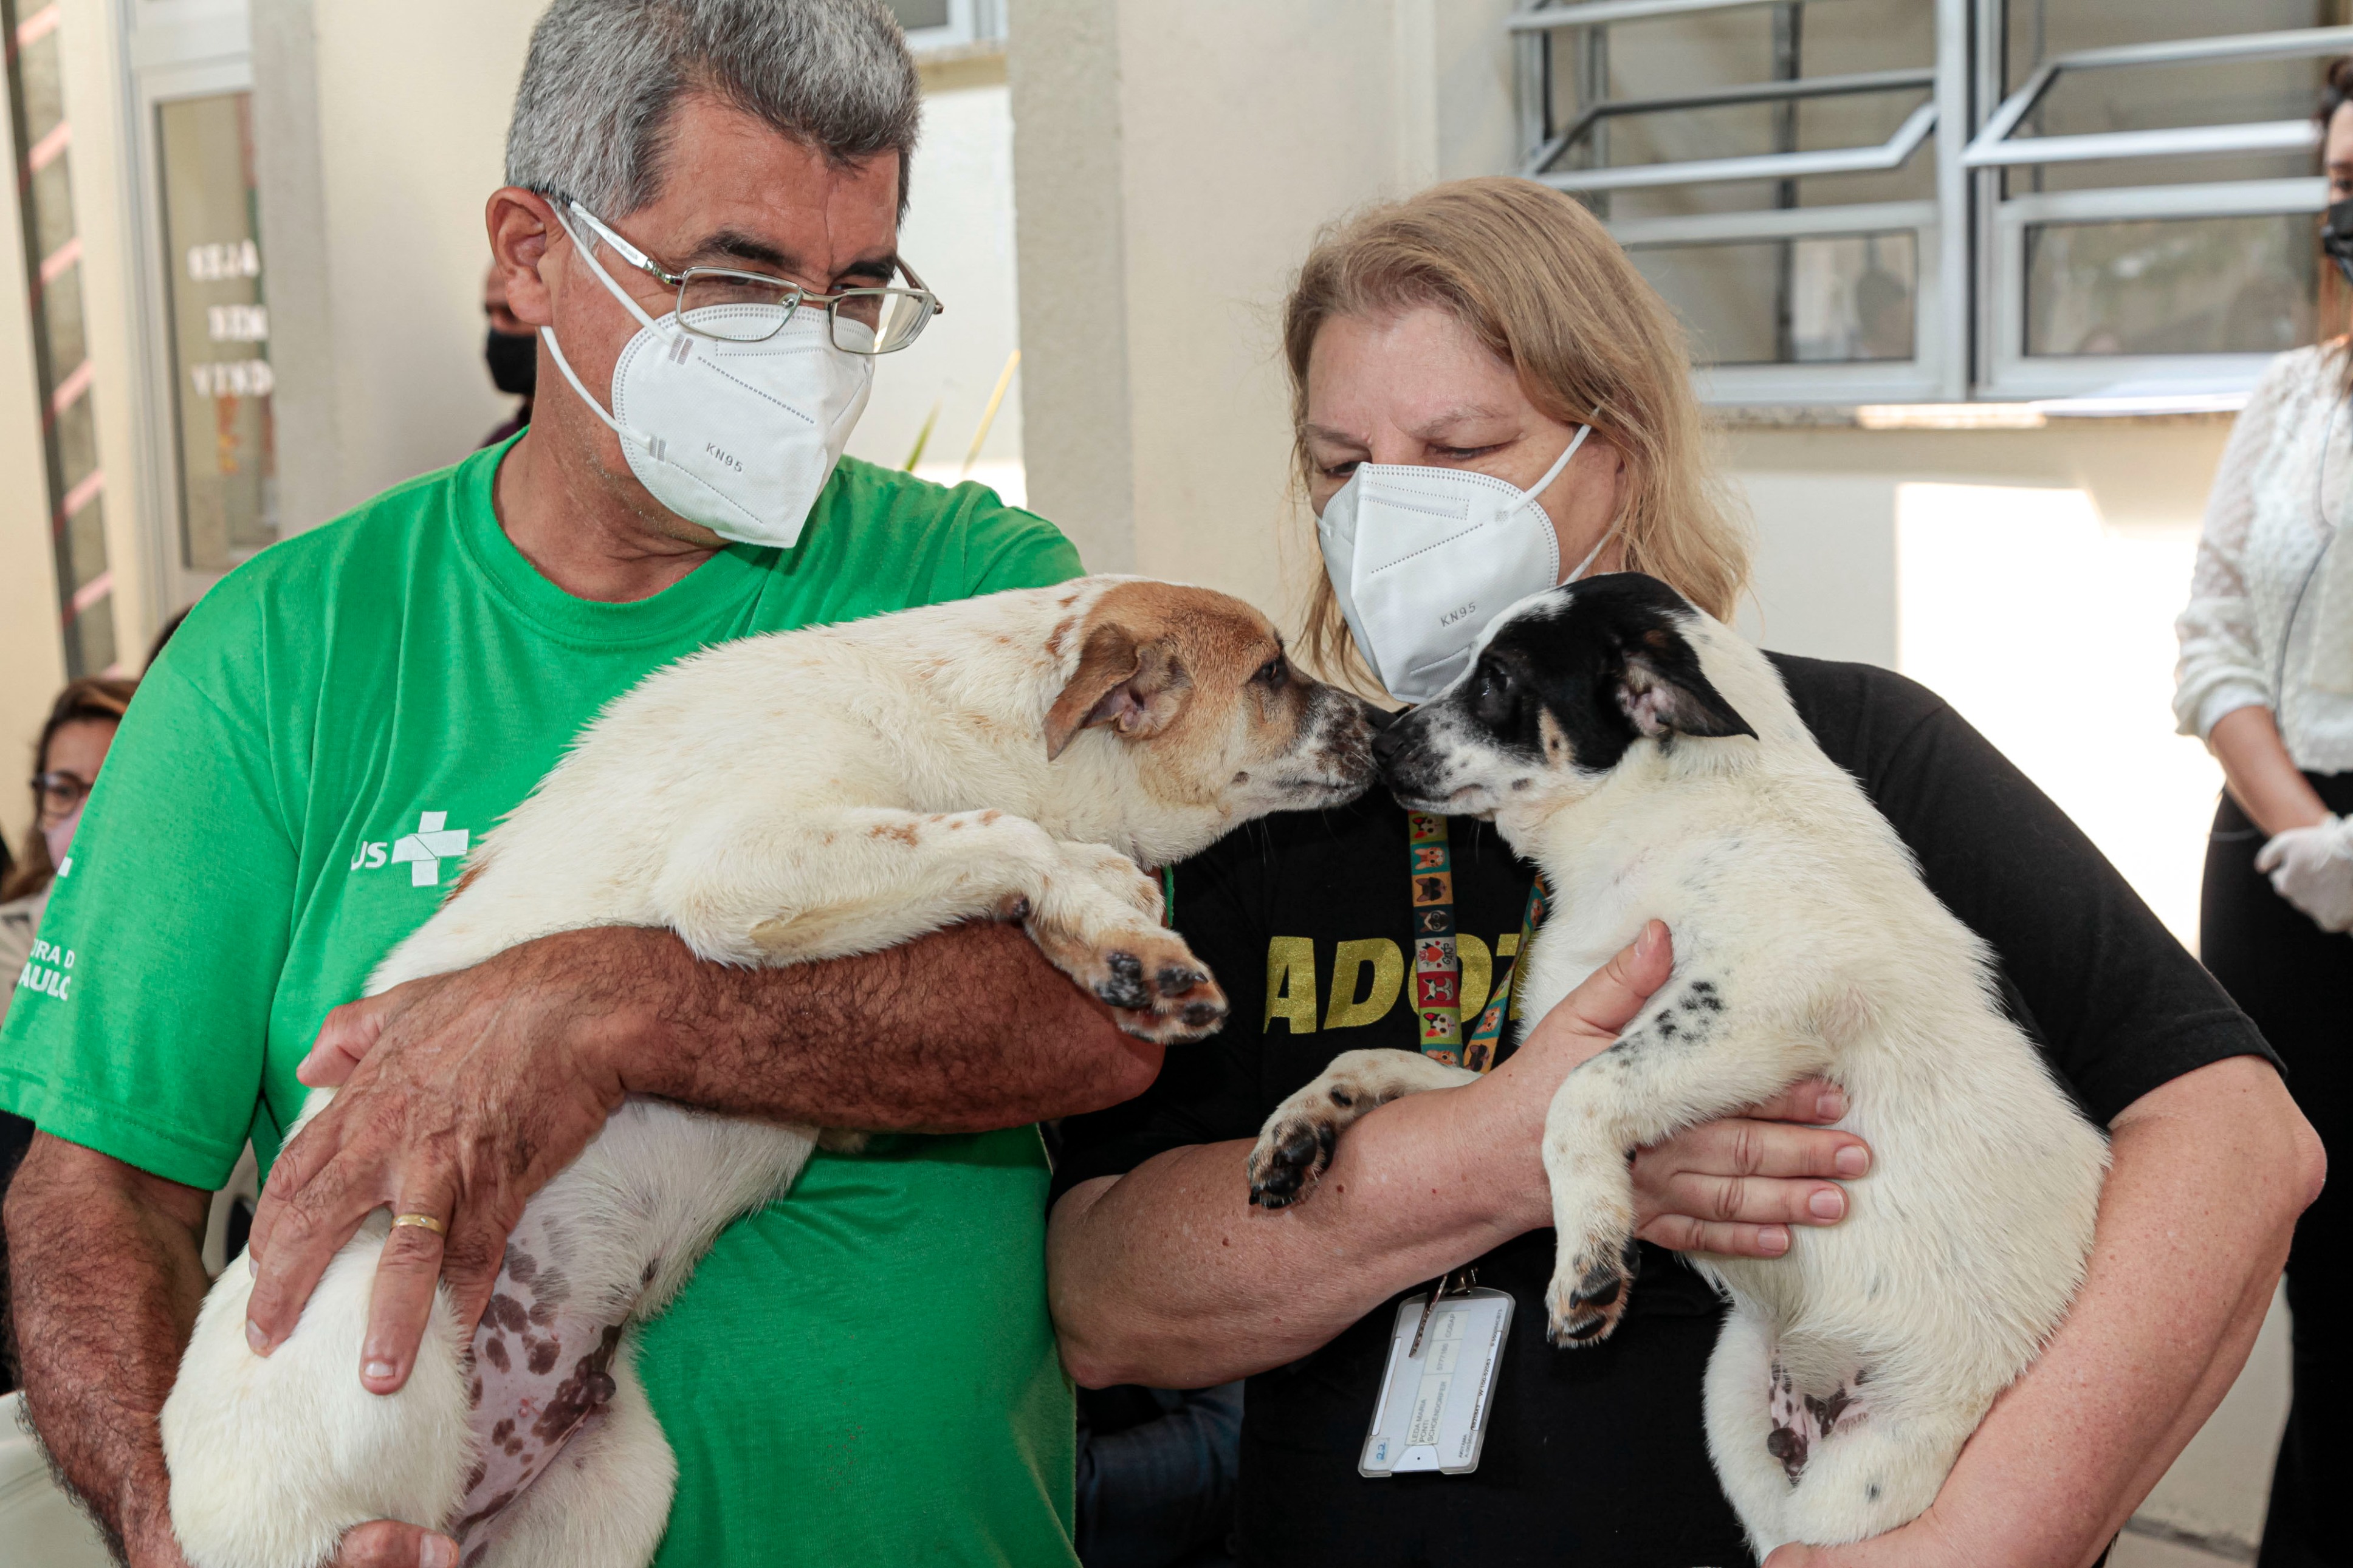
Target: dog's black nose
column 1386, row 743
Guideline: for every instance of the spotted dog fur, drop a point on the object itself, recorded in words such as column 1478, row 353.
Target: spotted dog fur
column 1652, row 765
column 777, row 800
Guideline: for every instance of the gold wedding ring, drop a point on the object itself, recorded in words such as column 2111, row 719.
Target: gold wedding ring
column 426, row 1220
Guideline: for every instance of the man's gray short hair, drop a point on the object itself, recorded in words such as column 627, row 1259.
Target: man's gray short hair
column 593, row 118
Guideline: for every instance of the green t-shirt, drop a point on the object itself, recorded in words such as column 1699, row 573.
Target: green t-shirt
column 862, row 1372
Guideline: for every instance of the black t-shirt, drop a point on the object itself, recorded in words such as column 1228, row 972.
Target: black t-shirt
column 1596, row 1455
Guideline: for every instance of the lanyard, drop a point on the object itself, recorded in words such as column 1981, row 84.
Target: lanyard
column 1437, row 968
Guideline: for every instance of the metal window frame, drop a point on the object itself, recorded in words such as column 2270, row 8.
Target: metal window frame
column 172, row 52
column 1939, row 368
column 2006, row 369
column 1837, row 381
column 2011, row 372
column 1997, row 146
column 1970, row 287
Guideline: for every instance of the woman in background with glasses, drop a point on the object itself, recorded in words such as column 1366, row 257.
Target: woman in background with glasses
column 65, row 764
column 2266, row 681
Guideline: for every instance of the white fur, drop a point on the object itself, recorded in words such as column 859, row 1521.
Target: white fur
column 1788, row 893
column 781, row 799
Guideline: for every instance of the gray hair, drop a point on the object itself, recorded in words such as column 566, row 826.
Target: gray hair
column 594, row 115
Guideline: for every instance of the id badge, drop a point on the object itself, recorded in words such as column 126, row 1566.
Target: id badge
column 1435, row 1399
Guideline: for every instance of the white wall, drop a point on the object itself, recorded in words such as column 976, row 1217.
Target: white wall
column 958, row 236
column 1173, row 165
column 409, row 108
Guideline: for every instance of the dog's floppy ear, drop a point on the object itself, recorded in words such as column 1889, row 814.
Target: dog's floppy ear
column 1663, row 691
column 1132, row 686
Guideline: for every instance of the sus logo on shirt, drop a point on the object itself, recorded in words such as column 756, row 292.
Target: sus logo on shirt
column 421, row 851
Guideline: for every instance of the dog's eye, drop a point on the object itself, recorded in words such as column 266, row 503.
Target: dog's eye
column 1271, row 672
column 1491, row 693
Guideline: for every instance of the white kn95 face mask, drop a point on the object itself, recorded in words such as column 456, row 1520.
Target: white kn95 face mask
column 738, row 436
column 1422, row 557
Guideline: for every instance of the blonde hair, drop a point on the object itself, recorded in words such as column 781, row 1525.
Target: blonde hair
column 1538, row 279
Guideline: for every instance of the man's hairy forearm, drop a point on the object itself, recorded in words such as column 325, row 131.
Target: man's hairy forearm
column 966, row 1029
column 108, row 1275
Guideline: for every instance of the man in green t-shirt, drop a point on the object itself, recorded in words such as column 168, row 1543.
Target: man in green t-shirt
column 864, row 1373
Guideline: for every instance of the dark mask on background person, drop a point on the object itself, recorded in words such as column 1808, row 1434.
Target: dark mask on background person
column 513, row 359
column 2337, row 237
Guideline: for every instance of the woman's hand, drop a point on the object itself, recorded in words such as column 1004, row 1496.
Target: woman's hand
column 1733, row 1186
column 1736, row 1186
column 2312, row 868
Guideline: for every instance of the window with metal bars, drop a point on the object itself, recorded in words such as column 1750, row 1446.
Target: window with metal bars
column 41, row 143
column 1858, row 201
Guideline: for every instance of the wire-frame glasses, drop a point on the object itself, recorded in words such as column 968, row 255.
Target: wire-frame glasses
column 741, row 307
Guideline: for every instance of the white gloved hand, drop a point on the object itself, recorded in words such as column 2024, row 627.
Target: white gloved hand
column 2312, row 868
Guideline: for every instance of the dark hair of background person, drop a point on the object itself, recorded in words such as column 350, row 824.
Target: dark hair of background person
column 155, row 648
column 101, row 697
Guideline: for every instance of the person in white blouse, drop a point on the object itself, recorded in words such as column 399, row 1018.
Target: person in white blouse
column 2266, row 681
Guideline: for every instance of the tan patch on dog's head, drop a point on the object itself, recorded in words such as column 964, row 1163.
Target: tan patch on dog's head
column 1157, row 658
column 1198, row 679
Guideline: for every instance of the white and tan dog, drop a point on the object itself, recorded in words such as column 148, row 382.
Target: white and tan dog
column 1652, row 766
column 777, row 800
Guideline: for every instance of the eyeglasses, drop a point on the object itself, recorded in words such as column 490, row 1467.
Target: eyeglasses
column 59, row 794
column 753, row 306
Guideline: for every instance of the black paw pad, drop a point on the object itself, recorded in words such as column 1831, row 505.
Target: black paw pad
column 1201, row 1015
column 1123, row 987
column 1599, row 1288
column 1175, row 979
column 1299, row 1156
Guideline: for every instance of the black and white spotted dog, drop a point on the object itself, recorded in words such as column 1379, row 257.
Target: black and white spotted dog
column 1652, row 763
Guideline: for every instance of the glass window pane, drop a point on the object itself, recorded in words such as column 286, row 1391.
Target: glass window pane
column 86, row 533
column 53, row 215
column 1836, row 300
column 2140, row 97
column 58, row 308
column 90, row 637
column 75, row 431
column 38, row 82
column 2193, row 93
column 39, row 157
column 2226, row 285
column 1748, row 130
column 227, row 448
column 1668, row 56
column 915, row 14
column 2038, row 29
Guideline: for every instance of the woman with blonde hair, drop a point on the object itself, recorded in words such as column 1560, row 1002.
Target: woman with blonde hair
column 1489, row 400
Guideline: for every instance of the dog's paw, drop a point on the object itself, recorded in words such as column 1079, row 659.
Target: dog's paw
column 1291, row 1154
column 1588, row 1292
column 1148, row 975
